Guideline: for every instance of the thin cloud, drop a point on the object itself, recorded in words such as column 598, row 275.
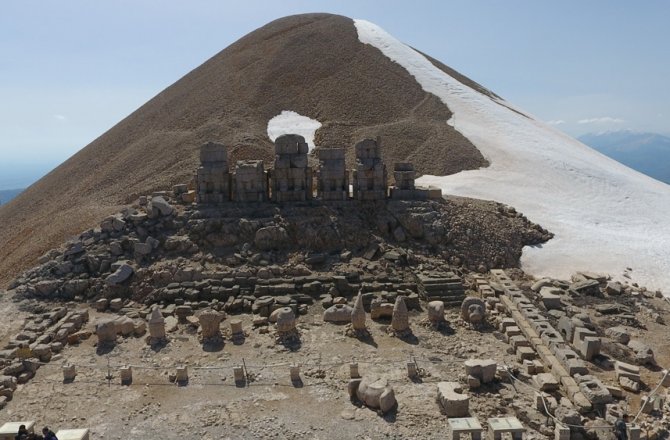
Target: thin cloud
column 556, row 122
column 601, row 120
column 60, row 117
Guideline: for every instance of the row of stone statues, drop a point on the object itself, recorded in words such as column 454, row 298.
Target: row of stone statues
column 291, row 179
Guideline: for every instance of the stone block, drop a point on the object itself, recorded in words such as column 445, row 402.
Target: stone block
column 453, row 401
column 546, row 382
column 550, row 299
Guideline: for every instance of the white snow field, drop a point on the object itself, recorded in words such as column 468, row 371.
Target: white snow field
column 605, row 216
column 289, row 122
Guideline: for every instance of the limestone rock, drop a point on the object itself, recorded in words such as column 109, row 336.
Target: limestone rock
column 643, row 353
column 210, row 321
column 105, row 329
column 436, row 312
column 121, row 274
column 376, row 393
column 160, row 206
column 285, row 319
column 358, row 314
column 338, row 313
column 380, row 309
column 473, row 310
column 619, row 334
column 156, row 324
column 400, row 317
column 453, row 401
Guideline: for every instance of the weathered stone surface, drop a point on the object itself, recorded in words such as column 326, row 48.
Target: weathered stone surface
column 156, row 325
column 105, row 329
column 643, row 352
column 483, row 369
column 618, row 334
column 161, row 206
column 551, row 298
column 376, row 393
column 285, row 320
column 400, row 317
column 453, row 401
column 545, row 382
column 120, row 275
column 436, row 312
column 473, row 310
column 614, row 288
column 380, row 309
column 338, row 313
column 210, row 321
column 358, row 314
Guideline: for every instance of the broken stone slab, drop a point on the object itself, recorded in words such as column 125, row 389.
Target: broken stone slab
column 643, row 353
column 483, row 369
column 546, row 382
column 121, row 274
column 586, row 287
column 539, row 284
column 622, row 369
column 160, row 206
column 618, row 334
column 614, row 288
column 629, row 385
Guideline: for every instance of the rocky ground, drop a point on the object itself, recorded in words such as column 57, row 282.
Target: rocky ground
column 211, row 405
column 246, row 262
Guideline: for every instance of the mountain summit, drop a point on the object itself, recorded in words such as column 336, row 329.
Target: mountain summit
column 349, row 79
column 312, row 64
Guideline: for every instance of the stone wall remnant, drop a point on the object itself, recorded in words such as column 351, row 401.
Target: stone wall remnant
column 213, row 176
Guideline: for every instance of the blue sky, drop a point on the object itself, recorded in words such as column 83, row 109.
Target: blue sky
column 70, row 70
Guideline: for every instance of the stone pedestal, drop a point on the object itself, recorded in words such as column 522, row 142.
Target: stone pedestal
column 464, row 425
column 500, row 425
column 238, row 376
column 295, row 373
column 69, row 373
column 182, row 375
column 126, row 373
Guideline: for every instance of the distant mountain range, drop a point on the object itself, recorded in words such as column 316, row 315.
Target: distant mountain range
column 8, row 194
column 648, row 153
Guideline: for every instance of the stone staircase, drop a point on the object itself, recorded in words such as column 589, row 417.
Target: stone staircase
column 441, row 286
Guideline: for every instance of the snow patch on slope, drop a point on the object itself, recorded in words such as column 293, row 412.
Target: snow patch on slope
column 605, row 216
column 289, row 122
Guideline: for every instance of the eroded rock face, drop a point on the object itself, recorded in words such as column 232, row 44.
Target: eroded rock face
column 376, row 393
